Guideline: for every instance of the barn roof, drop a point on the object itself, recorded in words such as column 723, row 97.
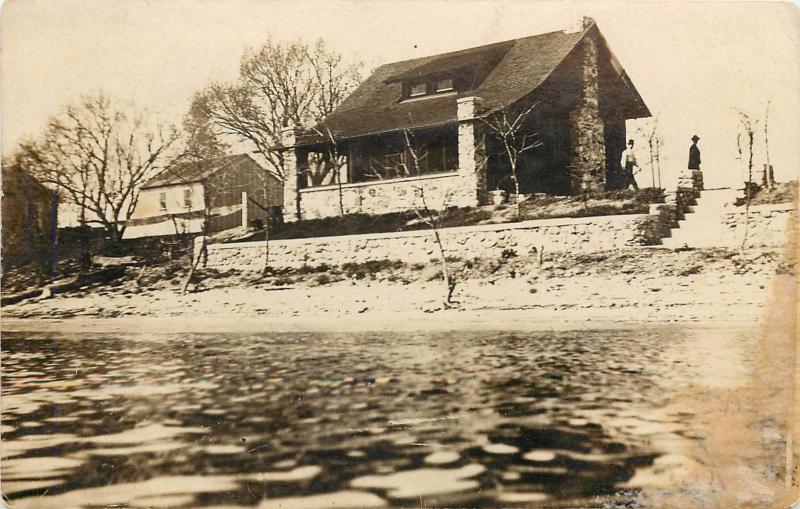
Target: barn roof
column 189, row 172
column 511, row 70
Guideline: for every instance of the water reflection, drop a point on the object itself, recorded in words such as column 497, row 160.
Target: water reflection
column 338, row 420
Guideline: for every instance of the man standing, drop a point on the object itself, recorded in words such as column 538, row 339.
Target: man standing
column 694, row 154
column 628, row 163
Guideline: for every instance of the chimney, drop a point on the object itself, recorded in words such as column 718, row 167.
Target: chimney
column 587, row 21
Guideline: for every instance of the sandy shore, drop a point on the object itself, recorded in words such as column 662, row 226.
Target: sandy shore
column 616, row 289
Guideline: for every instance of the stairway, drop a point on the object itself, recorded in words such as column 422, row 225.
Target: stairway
column 702, row 227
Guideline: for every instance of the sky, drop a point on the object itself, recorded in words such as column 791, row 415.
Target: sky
column 692, row 62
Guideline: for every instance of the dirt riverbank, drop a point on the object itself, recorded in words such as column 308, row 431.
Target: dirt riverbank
column 637, row 285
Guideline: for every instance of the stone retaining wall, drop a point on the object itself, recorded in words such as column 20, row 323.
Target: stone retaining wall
column 552, row 235
column 768, row 225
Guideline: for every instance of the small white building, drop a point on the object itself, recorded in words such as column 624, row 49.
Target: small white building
column 184, row 196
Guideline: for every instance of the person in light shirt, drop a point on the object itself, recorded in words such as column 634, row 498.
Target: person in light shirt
column 628, row 163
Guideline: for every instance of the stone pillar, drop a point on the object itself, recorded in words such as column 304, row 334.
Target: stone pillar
column 588, row 166
column 472, row 158
column 292, row 166
column 691, row 180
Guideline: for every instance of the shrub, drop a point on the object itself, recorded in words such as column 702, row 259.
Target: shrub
column 283, row 281
column 508, row 253
column 313, row 269
column 650, row 195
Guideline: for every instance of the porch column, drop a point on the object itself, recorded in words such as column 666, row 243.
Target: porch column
column 293, row 160
column 471, row 154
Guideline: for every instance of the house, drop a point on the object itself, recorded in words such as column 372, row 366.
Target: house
column 581, row 99
column 184, row 196
column 30, row 218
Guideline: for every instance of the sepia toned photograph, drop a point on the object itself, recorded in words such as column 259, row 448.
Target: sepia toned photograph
column 340, row 254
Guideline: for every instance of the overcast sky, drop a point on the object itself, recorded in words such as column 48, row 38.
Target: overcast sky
column 692, row 62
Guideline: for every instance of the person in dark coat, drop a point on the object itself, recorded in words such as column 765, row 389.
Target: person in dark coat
column 694, row 154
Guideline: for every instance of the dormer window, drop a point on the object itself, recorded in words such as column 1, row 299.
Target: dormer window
column 427, row 87
column 444, row 85
column 417, row 89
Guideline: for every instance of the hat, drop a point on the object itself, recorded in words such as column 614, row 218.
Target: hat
column 695, row 137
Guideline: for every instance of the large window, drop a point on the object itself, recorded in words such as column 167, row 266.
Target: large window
column 387, row 157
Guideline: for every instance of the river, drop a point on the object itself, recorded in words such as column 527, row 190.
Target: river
column 288, row 420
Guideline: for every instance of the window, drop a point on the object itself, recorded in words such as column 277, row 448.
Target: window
column 187, row 198
column 162, row 200
column 444, row 85
column 417, row 90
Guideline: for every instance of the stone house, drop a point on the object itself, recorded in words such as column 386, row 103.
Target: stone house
column 227, row 192
column 30, row 219
column 433, row 111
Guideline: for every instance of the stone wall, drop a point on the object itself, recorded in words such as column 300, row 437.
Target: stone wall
column 767, row 226
column 553, row 235
column 588, row 138
column 384, row 196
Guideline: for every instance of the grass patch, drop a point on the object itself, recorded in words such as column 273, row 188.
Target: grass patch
column 783, row 192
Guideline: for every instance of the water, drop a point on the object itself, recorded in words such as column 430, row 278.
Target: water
column 351, row 420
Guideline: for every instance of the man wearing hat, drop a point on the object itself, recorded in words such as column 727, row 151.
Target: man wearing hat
column 628, row 163
column 694, row 154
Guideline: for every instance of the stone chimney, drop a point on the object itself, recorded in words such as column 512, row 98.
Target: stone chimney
column 579, row 25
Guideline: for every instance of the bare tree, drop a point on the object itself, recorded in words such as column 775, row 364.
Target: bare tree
column 769, row 179
column 203, row 146
column 747, row 126
column 331, row 163
column 654, row 144
column 97, row 156
column 516, row 137
column 411, row 167
column 279, row 85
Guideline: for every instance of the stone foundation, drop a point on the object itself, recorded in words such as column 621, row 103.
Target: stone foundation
column 484, row 241
column 384, row 196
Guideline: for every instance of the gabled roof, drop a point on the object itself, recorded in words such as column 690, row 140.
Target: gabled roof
column 189, row 172
column 513, row 68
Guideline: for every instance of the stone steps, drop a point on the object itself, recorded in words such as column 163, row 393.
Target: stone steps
column 703, row 227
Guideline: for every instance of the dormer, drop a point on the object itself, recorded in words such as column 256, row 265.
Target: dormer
column 414, row 88
column 450, row 73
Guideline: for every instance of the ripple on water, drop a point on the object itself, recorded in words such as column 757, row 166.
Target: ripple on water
column 520, row 498
column 13, row 487
column 42, row 467
column 500, row 449
column 349, row 498
column 298, row 474
column 423, row 482
column 223, row 449
column 540, row 456
column 123, row 494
